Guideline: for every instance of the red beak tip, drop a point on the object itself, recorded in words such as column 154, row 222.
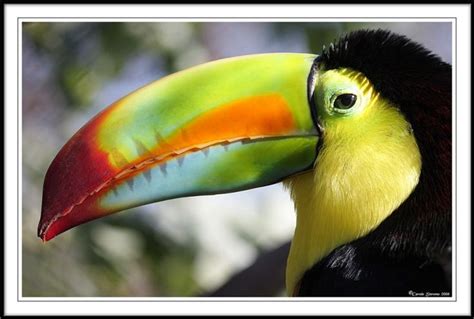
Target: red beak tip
column 43, row 232
column 45, row 237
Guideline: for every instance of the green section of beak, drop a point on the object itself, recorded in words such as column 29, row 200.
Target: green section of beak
column 165, row 107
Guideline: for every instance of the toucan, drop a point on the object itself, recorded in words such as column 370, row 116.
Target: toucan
column 360, row 135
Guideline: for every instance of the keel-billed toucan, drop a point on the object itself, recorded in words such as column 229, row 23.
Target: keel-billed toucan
column 360, row 135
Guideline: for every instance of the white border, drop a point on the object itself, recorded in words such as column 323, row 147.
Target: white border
column 244, row 305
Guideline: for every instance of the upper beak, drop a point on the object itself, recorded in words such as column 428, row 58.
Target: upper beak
column 220, row 127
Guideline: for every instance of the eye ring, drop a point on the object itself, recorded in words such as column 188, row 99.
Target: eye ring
column 344, row 102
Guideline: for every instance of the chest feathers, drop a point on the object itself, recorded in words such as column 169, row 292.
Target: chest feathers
column 359, row 178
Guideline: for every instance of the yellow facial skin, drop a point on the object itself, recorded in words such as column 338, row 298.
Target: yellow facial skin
column 369, row 163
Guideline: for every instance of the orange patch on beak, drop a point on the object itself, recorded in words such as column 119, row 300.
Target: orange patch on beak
column 253, row 117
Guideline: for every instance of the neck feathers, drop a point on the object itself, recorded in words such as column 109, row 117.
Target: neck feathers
column 359, row 179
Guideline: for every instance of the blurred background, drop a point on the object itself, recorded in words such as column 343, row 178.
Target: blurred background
column 224, row 245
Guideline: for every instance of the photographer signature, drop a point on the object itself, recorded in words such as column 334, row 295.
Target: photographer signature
column 428, row 294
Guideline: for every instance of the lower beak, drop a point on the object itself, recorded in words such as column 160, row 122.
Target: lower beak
column 220, row 127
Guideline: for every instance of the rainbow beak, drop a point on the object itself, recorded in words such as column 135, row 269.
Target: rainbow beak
column 220, row 127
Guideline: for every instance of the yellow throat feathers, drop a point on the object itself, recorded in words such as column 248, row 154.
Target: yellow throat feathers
column 369, row 163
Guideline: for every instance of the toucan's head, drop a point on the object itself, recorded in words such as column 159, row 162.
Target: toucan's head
column 348, row 132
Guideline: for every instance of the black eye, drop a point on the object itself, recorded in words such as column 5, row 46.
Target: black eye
column 345, row 101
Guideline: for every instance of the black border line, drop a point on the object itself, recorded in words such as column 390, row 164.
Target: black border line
column 231, row 299
column 18, row 157
column 455, row 213
column 191, row 19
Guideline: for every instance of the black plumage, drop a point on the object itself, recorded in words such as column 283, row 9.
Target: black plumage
column 410, row 252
